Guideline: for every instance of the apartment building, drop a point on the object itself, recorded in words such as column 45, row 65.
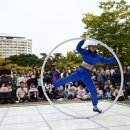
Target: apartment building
column 11, row 45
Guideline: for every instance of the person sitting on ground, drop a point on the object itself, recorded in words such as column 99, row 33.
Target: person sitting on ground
column 115, row 93
column 5, row 88
column 108, row 88
column 6, row 93
column 49, row 91
column 22, row 93
column 82, row 94
column 127, row 91
column 99, row 91
column 70, row 90
column 33, row 91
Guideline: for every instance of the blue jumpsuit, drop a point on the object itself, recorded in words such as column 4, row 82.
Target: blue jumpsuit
column 83, row 74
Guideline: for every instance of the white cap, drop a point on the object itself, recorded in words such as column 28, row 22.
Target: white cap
column 92, row 43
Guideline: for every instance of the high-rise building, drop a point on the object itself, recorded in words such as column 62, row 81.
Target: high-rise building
column 11, row 45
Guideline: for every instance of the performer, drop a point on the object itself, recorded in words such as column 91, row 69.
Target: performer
column 84, row 72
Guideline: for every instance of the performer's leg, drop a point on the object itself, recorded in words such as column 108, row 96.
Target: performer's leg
column 91, row 88
column 71, row 78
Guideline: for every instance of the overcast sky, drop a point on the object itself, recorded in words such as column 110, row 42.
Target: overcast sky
column 46, row 22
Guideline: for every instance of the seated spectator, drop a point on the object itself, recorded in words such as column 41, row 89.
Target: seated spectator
column 33, row 91
column 127, row 91
column 5, row 88
column 59, row 93
column 70, row 91
column 115, row 93
column 6, row 93
column 99, row 91
column 82, row 94
column 48, row 87
column 22, row 93
column 108, row 89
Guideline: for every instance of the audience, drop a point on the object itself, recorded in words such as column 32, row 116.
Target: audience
column 27, row 84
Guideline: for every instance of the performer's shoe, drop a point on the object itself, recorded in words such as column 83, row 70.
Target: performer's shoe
column 97, row 110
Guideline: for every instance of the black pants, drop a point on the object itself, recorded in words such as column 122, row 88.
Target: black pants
column 41, row 95
column 121, row 98
column 25, row 98
column 5, row 96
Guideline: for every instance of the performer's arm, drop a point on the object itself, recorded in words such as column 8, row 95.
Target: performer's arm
column 80, row 49
column 107, row 60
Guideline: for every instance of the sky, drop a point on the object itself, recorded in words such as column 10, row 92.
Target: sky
column 46, row 22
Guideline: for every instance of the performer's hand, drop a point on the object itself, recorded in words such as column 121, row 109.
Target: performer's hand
column 119, row 55
column 84, row 38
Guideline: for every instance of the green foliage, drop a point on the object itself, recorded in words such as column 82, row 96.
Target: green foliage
column 3, row 60
column 24, row 59
column 9, row 65
column 111, row 27
column 72, row 58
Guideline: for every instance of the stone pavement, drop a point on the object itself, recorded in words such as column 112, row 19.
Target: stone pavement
column 45, row 117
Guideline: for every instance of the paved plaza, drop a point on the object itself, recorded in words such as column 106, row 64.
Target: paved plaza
column 45, row 117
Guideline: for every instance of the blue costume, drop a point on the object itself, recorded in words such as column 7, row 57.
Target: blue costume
column 83, row 74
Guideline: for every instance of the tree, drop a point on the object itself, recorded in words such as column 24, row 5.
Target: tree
column 24, row 59
column 44, row 55
column 72, row 58
column 56, row 58
column 111, row 27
